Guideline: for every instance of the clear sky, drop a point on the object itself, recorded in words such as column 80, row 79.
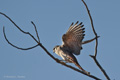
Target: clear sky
column 53, row 18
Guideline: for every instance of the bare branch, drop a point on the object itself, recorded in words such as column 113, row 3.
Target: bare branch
column 36, row 31
column 98, row 64
column 57, row 60
column 94, row 56
column 92, row 27
column 19, row 27
column 14, row 45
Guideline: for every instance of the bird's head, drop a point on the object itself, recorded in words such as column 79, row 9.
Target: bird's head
column 55, row 48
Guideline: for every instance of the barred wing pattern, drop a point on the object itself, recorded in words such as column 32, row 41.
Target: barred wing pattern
column 73, row 38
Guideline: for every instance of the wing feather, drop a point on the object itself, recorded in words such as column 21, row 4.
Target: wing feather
column 73, row 37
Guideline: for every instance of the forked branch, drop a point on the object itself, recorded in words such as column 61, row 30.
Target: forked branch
column 39, row 44
column 94, row 56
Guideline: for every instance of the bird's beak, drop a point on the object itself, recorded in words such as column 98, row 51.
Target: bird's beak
column 53, row 51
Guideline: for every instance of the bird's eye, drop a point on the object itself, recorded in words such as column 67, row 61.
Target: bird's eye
column 54, row 48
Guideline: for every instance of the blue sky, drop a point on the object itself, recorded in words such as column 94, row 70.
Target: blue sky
column 53, row 18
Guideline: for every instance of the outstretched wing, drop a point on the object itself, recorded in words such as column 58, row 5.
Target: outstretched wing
column 73, row 38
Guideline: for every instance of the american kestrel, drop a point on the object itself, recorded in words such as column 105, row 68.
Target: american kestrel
column 72, row 44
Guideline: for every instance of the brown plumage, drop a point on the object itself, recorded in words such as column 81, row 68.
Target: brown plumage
column 73, row 38
column 72, row 44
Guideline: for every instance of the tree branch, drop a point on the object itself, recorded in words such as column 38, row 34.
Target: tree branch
column 36, row 31
column 94, row 56
column 98, row 64
column 92, row 27
column 14, row 45
column 19, row 27
column 38, row 43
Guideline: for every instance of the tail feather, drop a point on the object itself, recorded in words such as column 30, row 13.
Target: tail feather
column 78, row 65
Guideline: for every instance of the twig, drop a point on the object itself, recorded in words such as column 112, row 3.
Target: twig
column 98, row 64
column 36, row 31
column 94, row 56
column 19, row 27
column 14, row 45
column 57, row 60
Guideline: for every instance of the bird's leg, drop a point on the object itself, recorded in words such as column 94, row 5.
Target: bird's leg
column 88, row 41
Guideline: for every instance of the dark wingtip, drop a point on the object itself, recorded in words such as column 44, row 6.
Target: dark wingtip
column 83, row 31
column 83, row 34
column 77, row 22
column 72, row 23
column 81, row 23
column 83, row 28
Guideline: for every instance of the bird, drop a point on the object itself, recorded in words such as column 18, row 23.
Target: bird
column 72, row 42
